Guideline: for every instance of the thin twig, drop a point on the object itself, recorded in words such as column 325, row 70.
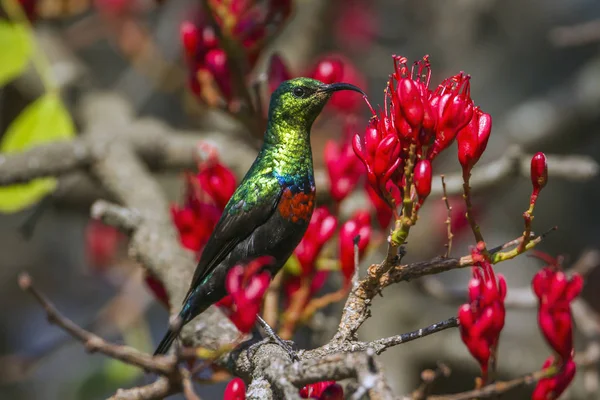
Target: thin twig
column 93, row 343
column 382, row 344
column 448, row 219
column 158, row 389
column 499, row 387
column 188, row 387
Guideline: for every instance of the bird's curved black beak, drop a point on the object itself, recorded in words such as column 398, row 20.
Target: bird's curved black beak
column 334, row 87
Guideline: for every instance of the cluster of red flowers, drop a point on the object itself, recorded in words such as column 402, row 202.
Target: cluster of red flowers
column 321, row 229
column 555, row 293
column 206, row 195
column 246, row 286
column 482, row 319
column 415, row 126
column 326, row 390
column 249, row 23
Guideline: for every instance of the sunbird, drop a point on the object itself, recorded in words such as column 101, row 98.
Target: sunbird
column 269, row 212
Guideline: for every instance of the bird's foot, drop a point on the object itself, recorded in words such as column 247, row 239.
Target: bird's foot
column 272, row 336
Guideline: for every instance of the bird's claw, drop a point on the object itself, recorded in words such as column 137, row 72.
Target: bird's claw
column 272, row 336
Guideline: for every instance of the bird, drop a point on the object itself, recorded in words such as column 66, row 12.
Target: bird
column 269, row 212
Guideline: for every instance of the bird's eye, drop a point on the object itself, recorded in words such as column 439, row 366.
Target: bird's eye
column 298, row 92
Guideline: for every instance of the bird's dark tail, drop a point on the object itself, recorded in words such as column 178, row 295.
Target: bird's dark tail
column 166, row 341
column 191, row 307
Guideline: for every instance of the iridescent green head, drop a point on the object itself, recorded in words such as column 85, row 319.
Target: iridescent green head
column 297, row 103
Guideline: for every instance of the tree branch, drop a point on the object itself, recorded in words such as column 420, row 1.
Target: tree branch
column 92, row 342
column 497, row 388
column 158, row 389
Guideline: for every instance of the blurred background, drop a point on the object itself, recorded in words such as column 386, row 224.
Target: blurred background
column 121, row 66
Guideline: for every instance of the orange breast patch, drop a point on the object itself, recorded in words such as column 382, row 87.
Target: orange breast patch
column 296, row 206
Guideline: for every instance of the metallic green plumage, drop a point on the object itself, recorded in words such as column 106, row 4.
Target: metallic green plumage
column 252, row 225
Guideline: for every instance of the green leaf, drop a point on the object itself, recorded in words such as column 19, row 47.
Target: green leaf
column 17, row 47
column 45, row 120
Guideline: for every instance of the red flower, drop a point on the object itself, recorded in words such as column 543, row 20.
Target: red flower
column 321, row 228
column 555, row 293
column 453, row 108
column 196, row 219
column 343, row 167
column 250, row 23
column 482, row 319
column 326, row 390
column 379, row 151
column 246, row 287
column 472, row 139
column 417, row 123
column 551, row 388
column 215, row 62
column 102, row 242
column 337, row 68
column 235, row 390
column 217, row 181
column 410, row 99
column 359, row 224
column 206, row 195
column 539, row 175
column 422, row 177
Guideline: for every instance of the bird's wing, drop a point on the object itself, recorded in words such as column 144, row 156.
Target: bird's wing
column 250, row 206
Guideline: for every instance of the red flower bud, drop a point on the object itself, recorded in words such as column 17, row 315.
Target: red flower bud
column 235, row 390
column 328, row 70
column 473, row 138
column 380, row 154
column 552, row 388
column 337, row 68
column 102, row 242
column 454, row 108
column 246, row 287
column 422, row 177
column 326, row 390
column 321, row 228
column 539, row 172
column 216, row 63
column 555, row 293
column 482, row 319
column 217, row 181
column 409, row 108
column 332, row 392
column 209, row 38
column 188, row 33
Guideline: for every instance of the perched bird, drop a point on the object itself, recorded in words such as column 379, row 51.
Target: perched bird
column 270, row 210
